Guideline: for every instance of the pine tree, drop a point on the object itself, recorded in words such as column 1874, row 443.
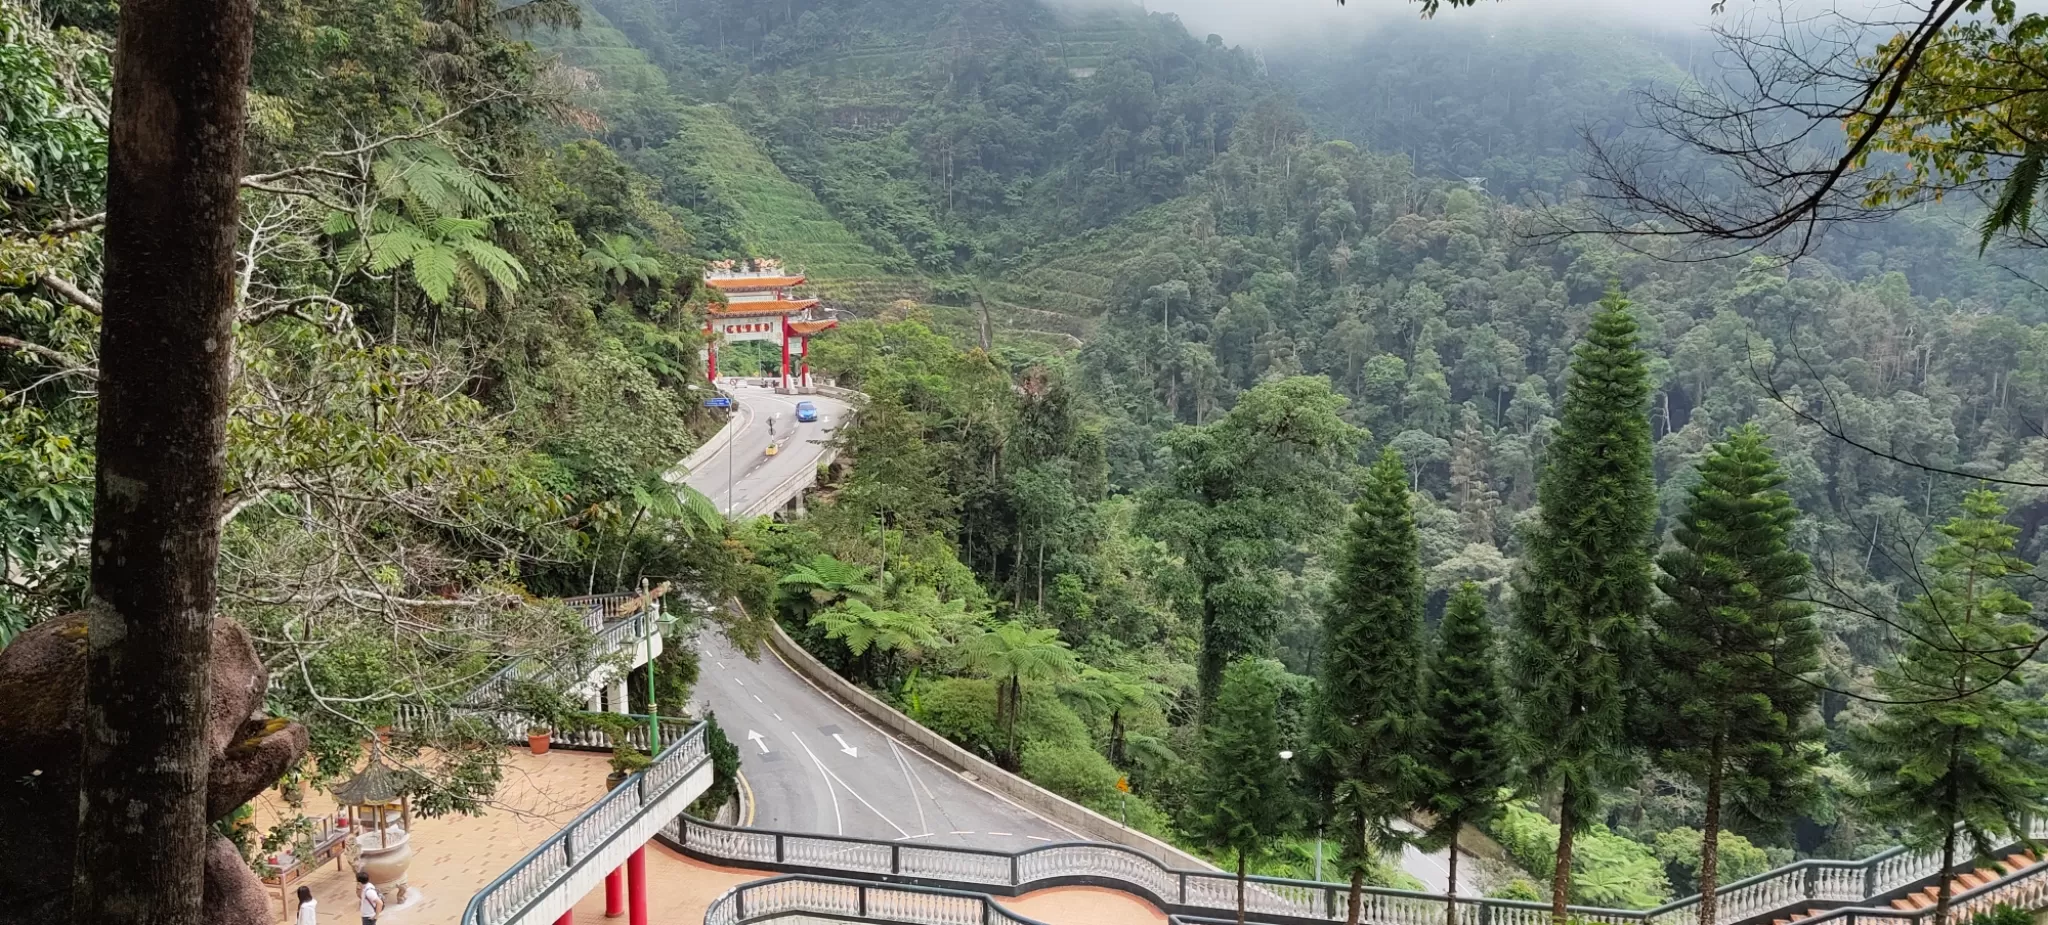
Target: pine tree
column 1246, row 786
column 1369, row 711
column 1466, row 721
column 1956, row 751
column 1586, row 585
column 1471, row 491
column 1730, row 645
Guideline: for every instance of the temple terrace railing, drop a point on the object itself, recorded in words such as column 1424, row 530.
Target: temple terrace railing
column 583, row 850
column 1805, row 884
column 817, row 899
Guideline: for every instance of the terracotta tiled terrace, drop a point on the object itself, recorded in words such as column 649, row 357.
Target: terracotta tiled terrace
column 456, row 856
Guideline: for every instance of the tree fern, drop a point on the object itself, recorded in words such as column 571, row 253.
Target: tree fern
column 433, row 217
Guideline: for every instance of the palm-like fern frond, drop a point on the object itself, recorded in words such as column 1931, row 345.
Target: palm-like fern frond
column 432, row 216
column 2015, row 206
column 618, row 258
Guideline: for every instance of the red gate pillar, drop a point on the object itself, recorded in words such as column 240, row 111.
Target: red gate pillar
column 568, row 917
column 710, row 353
column 785, row 354
column 615, row 893
column 803, row 379
column 636, row 884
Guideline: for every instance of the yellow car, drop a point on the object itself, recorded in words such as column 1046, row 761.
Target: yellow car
column 772, row 450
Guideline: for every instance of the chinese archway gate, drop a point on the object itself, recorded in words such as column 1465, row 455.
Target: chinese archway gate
column 759, row 306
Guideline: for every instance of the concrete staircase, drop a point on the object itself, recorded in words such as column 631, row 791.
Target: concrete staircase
column 1926, row 897
column 1999, row 870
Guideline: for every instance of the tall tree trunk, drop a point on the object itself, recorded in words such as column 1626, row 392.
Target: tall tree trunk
column 1451, row 882
column 174, row 165
column 1943, row 893
column 1561, row 876
column 1041, row 571
column 1710, row 838
column 619, row 574
column 1240, row 886
column 1355, row 905
column 1016, row 707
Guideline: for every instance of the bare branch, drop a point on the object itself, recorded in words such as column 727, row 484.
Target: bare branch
column 69, row 292
column 54, row 356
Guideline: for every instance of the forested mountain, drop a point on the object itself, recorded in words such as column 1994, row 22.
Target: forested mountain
column 1135, row 307
column 1155, row 222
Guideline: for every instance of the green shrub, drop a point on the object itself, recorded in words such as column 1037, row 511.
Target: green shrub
column 725, row 770
column 964, row 710
column 2003, row 914
column 1079, row 774
column 1607, row 869
column 1521, row 888
column 1679, row 849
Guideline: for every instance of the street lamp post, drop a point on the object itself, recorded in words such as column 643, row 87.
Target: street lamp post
column 1286, row 755
column 730, row 473
column 648, row 632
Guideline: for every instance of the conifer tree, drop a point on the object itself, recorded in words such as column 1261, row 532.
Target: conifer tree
column 1730, row 645
column 1369, row 714
column 1586, row 583
column 1246, row 786
column 1956, row 750
column 1466, row 720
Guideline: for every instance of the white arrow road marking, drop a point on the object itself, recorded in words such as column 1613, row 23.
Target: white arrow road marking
column 838, row 821
column 926, row 826
column 851, row 751
column 758, row 739
column 834, row 778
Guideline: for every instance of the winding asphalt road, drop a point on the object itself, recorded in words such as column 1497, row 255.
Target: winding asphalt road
column 811, row 763
column 743, row 479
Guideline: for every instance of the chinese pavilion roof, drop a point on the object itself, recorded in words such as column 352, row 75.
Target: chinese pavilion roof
column 377, row 784
column 808, row 328
column 744, row 283
column 762, row 307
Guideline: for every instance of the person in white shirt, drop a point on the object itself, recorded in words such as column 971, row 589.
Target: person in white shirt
column 372, row 904
column 306, row 905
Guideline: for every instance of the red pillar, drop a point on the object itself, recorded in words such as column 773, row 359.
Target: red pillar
column 710, row 353
column 785, row 353
column 615, row 893
column 636, row 885
column 804, row 378
column 568, row 917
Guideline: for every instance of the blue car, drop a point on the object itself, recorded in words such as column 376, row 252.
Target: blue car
column 806, row 411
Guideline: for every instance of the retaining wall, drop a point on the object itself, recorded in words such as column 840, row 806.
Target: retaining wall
column 1082, row 820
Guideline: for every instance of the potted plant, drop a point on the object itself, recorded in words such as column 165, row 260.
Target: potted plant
column 625, row 758
column 626, row 761
column 544, row 710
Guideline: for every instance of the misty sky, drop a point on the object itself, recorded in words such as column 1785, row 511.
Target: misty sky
column 1269, row 22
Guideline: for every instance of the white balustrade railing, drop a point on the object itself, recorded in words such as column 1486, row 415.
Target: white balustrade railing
column 801, row 899
column 506, row 898
column 1195, row 892
column 790, row 900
